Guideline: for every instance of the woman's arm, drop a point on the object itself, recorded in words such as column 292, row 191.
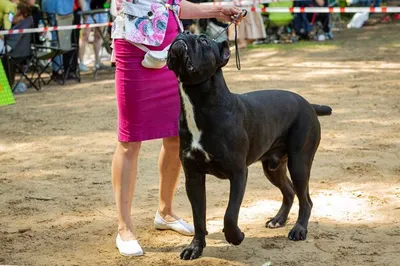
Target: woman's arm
column 195, row 11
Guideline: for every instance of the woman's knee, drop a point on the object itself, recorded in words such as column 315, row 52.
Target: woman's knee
column 98, row 33
column 171, row 144
column 130, row 149
column 85, row 34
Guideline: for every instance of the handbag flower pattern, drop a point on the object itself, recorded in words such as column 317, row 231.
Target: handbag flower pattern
column 150, row 29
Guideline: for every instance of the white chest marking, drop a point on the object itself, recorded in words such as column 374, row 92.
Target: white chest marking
column 191, row 123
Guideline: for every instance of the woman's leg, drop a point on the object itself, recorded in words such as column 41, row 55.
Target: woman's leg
column 97, row 45
column 124, row 172
column 169, row 166
column 82, row 46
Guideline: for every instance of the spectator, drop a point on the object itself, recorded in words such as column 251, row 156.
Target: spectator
column 252, row 29
column 7, row 11
column 23, row 11
column 366, row 3
column 20, row 21
column 98, row 41
column 52, row 8
column 36, row 16
column 312, row 25
column 78, row 7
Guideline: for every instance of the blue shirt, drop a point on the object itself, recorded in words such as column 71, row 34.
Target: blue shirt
column 59, row 7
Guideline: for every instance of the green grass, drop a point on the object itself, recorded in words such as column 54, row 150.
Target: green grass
column 298, row 45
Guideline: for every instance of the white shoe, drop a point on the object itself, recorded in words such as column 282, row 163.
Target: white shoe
column 128, row 248
column 83, row 68
column 179, row 226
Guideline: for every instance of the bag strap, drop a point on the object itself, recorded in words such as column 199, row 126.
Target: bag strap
column 145, row 49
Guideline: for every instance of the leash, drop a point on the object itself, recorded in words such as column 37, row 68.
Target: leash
column 244, row 11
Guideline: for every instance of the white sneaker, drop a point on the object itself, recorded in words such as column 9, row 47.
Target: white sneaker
column 321, row 38
column 179, row 226
column 83, row 68
column 128, row 248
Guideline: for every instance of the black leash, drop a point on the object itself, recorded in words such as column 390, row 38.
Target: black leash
column 244, row 11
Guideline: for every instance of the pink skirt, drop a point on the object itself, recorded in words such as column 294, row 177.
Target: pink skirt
column 148, row 99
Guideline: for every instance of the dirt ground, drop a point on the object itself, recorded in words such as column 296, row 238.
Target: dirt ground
column 56, row 145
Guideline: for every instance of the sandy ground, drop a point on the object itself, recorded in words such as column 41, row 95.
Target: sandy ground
column 56, row 148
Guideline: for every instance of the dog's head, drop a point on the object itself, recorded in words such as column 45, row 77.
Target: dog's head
column 195, row 58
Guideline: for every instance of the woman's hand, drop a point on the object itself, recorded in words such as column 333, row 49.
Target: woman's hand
column 195, row 11
column 231, row 13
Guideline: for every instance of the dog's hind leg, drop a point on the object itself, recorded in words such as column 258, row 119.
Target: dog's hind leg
column 302, row 146
column 300, row 166
column 279, row 178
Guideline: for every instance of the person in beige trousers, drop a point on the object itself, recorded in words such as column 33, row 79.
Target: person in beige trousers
column 250, row 30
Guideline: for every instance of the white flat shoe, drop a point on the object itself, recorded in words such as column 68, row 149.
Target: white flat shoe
column 128, row 248
column 179, row 226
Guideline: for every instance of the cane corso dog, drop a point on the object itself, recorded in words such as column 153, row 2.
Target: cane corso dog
column 222, row 133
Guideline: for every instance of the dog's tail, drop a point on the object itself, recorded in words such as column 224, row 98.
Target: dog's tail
column 322, row 110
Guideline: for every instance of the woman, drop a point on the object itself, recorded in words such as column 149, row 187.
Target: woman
column 250, row 31
column 148, row 107
column 98, row 41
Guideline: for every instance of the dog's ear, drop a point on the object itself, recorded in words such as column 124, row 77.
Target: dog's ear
column 224, row 52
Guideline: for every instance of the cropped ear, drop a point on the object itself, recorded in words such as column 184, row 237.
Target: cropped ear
column 224, row 52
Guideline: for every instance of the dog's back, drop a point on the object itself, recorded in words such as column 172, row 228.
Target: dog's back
column 270, row 114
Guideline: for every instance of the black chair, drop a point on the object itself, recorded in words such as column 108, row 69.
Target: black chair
column 18, row 54
column 48, row 54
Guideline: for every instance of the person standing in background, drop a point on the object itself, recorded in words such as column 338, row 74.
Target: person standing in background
column 37, row 18
column 252, row 29
column 52, row 8
column 98, row 41
column 78, row 4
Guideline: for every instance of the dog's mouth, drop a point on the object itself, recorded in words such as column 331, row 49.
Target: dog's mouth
column 179, row 44
column 179, row 54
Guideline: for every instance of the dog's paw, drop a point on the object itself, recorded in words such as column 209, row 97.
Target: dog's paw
column 298, row 232
column 275, row 223
column 234, row 236
column 193, row 251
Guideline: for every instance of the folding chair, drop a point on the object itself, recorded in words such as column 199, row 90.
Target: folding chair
column 68, row 45
column 278, row 23
column 313, row 26
column 336, row 18
column 21, row 56
column 48, row 54
column 45, row 54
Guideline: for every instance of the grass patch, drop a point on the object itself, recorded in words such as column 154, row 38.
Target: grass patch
column 298, row 45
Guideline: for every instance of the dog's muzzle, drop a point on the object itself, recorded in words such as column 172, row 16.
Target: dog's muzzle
column 178, row 47
column 179, row 52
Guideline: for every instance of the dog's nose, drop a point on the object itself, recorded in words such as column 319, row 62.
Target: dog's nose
column 186, row 32
column 178, row 47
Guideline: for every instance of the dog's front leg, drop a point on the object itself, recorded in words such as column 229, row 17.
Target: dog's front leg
column 196, row 191
column 238, row 181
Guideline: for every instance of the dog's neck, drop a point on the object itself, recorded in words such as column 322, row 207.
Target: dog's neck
column 198, row 106
column 211, row 92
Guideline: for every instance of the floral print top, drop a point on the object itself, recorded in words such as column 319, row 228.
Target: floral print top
column 144, row 21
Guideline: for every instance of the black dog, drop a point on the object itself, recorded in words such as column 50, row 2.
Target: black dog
column 222, row 133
